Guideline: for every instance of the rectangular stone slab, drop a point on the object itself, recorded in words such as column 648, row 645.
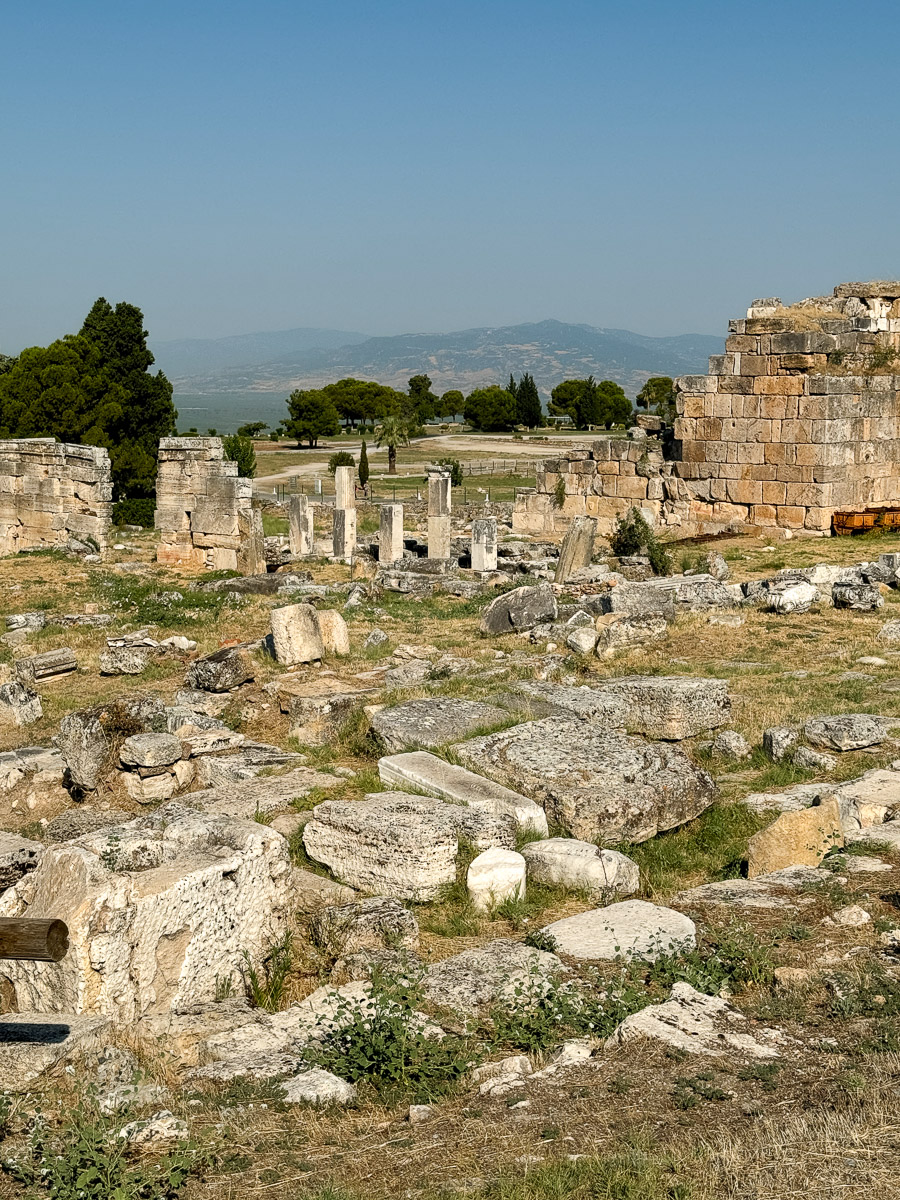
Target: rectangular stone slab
column 433, row 775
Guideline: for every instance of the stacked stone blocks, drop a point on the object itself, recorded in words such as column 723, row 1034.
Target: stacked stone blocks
column 52, row 492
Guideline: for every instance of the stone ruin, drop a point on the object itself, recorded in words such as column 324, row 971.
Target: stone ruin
column 797, row 420
column 53, row 493
column 204, row 509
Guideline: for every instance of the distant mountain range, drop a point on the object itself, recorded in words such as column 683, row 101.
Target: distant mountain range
column 550, row 350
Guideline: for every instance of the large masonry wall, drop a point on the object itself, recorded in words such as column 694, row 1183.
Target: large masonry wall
column 204, row 509
column 798, row 419
column 52, row 492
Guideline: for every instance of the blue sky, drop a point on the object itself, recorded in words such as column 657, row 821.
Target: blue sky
column 234, row 167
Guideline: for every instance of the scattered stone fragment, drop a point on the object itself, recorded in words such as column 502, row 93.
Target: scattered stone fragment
column 779, row 741
column 813, row 760
column 582, row 640
column 494, row 876
column 889, row 632
column 52, row 664
column 296, row 635
column 872, row 660
column 796, row 839
column 33, row 1043
column 85, row 748
column 374, row 924
column 220, row 672
column 334, row 631
column 617, row 632
column 853, row 916
column 125, row 660
column 730, row 745
column 581, row 866
column 433, row 722
column 793, row 598
column 319, row 1087
column 379, row 638
column 320, row 707
column 590, row 703
column 19, row 705
column 859, row 597
column 395, row 844
column 629, row 929
column 162, row 1127
column 672, row 707
column 520, row 609
column 698, row 1024
column 428, row 773
column 476, row 979
column 600, row 785
column 151, row 750
column 847, row 731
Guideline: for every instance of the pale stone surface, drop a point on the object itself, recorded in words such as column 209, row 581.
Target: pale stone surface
column 698, row 1024
column 859, row 597
column 520, row 609
column 220, row 671
column 627, row 930
column 395, row 844
column 151, row 750
column 777, row 890
column 592, row 704
column 779, row 741
column 54, row 494
column 319, row 708
column 52, row 664
column 618, row 632
column 672, row 707
column 433, row 722
column 577, row 549
column 582, row 640
column 161, row 1128
column 334, row 632
column 18, row 856
column 157, row 910
column 847, row 731
column 32, row 1044
column 19, row 705
column 319, row 1087
column 476, row 979
column 377, row 923
column 600, row 785
column 886, row 834
column 296, row 635
column 484, row 544
column 493, row 876
column 813, row 760
column 889, row 632
column 582, row 866
column 390, row 536
column 852, row 916
column 343, row 538
column 428, row 773
column 300, row 526
column 731, row 746
column 796, row 839
column 796, row 598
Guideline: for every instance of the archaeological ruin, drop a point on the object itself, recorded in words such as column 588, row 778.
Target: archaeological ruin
column 204, row 510
column 799, row 419
column 53, row 493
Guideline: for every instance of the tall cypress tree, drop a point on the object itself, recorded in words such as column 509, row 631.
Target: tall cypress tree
column 528, row 402
column 512, row 386
column 363, row 469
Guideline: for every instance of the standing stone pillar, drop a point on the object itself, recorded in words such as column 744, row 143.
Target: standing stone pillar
column 344, row 536
column 390, row 538
column 438, row 513
column 577, row 548
column 300, row 518
column 484, row 544
column 252, row 553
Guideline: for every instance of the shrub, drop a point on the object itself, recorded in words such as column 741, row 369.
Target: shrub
column 559, row 493
column 382, row 1041
column 239, row 449
column 265, row 989
column 454, row 466
column 341, row 458
column 84, row 1159
column 633, row 535
column 136, row 511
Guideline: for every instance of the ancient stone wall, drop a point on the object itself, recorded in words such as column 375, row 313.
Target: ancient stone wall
column 798, row 419
column 53, row 492
column 204, row 509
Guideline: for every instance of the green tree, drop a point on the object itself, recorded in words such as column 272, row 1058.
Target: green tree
column 393, row 431
column 239, row 449
column 341, row 458
column 252, row 429
column 512, row 387
column 452, row 403
column 577, row 398
column 6, row 363
column 312, row 415
column 422, row 398
column 148, row 414
column 613, row 406
column 490, row 408
column 363, row 469
column 528, row 403
column 658, row 397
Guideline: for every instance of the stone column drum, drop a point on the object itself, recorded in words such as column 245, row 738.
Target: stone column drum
column 438, row 513
column 390, row 538
column 484, row 544
column 300, row 519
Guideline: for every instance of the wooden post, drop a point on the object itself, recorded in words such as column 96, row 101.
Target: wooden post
column 35, row 939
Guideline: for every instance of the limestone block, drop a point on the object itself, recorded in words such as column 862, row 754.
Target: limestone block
column 19, row 704
column 484, row 544
column 630, row 929
column 438, row 495
column 494, row 876
column 671, row 707
column 296, row 634
column 334, row 632
column 847, row 731
column 390, row 543
column 618, row 632
column 436, row 721
column 796, row 839
column 520, row 609
column 220, row 671
column 345, row 487
column 577, row 548
column 300, row 525
column 439, row 544
column 475, row 980
column 158, row 910
column 581, row 866
column 343, row 540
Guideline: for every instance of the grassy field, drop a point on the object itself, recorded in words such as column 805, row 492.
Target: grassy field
column 633, row 1123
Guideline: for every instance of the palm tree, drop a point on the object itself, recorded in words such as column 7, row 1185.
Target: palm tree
column 392, row 432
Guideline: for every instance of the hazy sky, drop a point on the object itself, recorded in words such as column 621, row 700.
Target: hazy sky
column 390, row 167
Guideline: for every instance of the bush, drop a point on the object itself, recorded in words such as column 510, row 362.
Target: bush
column 136, row 511
column 342, row 458
column 454, row 466
column 381, row 1041
column 633, row 535
column 240, row 450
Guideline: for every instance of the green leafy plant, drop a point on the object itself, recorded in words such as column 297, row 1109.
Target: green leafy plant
column 558, row 498
column 632, row 535
column 341, row 458
column 454, row 466
column 240, row 450
column 136, row 511
column 384, row 1042
column 691, row 1089
column 85, row 1158
column 265, row 987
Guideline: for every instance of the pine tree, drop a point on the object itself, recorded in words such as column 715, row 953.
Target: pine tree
column 363, row 468
column 512, row 387
column 528, row 403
